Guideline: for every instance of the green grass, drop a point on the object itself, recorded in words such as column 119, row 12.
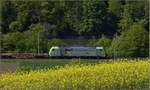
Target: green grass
column 105, row 76
column 29, row 65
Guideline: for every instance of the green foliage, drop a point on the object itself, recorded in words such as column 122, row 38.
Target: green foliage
column 115, row 7
column 105, row 42
column 8, row 14
column 35, row 36
column 93, row 16
column 127, row 19
column 133, row 12
column 14, row 26
column 13, row 42
column 113, row 47
column 73, row 13
column 29, row 65
column 133, row 42
column 26, row 41
column 55, row 42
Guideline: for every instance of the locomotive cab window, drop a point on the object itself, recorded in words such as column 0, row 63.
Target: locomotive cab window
column 53, row 49
column 100, row 49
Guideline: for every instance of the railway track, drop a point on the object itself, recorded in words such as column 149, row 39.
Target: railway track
column 23, row 55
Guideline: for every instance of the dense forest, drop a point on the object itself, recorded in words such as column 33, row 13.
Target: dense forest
column 120, row 26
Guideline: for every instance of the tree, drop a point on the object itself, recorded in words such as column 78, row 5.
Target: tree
column 13, row 42
column 115, row 7
column 15, row 26
column 8, row 14
column 36, row 36
column 94, row 12
column 133, row 42
column 105, row 42
column 126, row 20
column 73, row 11
column 55, row 42
column 133, row 11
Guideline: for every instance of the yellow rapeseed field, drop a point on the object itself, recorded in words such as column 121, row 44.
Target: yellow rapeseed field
column 117, row 75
